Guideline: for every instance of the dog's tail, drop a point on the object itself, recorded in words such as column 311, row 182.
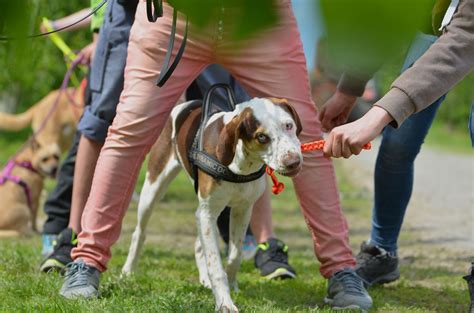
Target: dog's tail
column 15, row 122
column 9, row 233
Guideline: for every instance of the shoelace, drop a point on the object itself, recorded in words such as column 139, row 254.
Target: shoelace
column 75, row 271
column 351, row 281
column 277, row 254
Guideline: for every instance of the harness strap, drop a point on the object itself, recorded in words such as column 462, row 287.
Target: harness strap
column 207, row 163
column 6, row 175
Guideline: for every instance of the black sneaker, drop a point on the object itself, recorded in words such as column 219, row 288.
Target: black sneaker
column 376, row 265
column 470, row 284
column 61, row 255
column 272, row 260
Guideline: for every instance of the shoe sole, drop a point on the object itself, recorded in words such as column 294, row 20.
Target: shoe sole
column 281, row 273
column 79, row 295
column 52, row 265
column 348, row 307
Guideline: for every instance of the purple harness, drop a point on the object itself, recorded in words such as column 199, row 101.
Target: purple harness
column 6, row 175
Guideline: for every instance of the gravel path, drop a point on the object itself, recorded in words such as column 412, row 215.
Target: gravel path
column 441, row 211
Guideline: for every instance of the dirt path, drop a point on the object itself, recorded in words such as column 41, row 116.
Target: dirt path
column 441, row 211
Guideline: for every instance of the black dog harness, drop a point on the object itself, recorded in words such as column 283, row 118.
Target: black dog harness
column 207, row 163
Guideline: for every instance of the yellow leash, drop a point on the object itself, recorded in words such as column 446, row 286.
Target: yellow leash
column 65, row 49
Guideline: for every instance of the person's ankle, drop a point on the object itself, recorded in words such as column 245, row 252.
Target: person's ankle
column 262, row 238
column 390, row 250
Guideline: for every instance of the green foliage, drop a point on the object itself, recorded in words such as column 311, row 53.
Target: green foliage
column 455, row 110
column 363, row 34
column 248, row 16
column 453, row 113
column 33, row 67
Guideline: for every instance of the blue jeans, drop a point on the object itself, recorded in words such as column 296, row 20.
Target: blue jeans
column 106, row 79
column 394, row 168
column 311, row 27
column 471, row 124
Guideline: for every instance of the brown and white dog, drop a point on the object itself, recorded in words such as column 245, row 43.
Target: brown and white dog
column 258, row 132
column 18, row 207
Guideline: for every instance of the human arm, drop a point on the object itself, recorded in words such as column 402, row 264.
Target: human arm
column 336, row 109
column 68, row 20
column 443, row 65
column 440, row 68
column 87, row 53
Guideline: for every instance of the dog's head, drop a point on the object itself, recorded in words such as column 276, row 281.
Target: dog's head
column 267, row 130
column 45, row 158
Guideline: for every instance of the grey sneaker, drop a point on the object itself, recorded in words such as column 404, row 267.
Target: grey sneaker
column 346, row 291
column 376, row 266
column 81, row 280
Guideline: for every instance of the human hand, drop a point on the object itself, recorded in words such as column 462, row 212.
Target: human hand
column 87, row 53
column 336, row 110
column 349, row 139
column 44, row 28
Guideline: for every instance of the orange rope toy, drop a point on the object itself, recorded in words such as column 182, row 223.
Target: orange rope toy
column 278, row 186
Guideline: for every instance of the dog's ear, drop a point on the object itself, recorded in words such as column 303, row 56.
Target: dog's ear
column 283, row 103
column 229, row 136
column 34, row 144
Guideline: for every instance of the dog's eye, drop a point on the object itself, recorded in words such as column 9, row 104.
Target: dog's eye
column 289, row 126
column 44, row 160
column 262, row 138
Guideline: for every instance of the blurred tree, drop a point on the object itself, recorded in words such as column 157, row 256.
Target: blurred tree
column 248, row 16
column 364, row 34
column 33, row 67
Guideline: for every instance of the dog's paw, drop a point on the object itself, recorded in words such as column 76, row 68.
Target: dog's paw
column 205, row 282
column 127, row 271
column 227, row 307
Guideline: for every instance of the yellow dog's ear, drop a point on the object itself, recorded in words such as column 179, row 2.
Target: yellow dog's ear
column 230, row 135
column 283, row 103
column 34, row 144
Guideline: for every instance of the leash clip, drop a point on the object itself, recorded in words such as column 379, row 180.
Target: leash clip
column 154, row 10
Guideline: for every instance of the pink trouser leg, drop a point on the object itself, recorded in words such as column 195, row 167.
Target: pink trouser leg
column 277, row 68
column 141, row 115
column 270, row 65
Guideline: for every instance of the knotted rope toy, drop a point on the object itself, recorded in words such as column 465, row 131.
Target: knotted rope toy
column 278, row 186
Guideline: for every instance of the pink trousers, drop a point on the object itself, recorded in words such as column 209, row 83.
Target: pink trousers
column 271, row 64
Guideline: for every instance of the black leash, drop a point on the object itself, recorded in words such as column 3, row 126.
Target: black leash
column 207, row 163
column 154, row 10
column 97, row 8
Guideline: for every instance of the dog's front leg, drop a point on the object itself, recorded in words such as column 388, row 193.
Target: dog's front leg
column 239, row 221
column 34, row 214
column 201, row 263
column 206, row 221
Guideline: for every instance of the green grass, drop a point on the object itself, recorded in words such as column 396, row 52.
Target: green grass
column 167, row 280
column 446, row 138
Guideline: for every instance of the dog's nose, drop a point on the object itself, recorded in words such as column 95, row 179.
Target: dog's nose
column 54, row 171
column 291, row 161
